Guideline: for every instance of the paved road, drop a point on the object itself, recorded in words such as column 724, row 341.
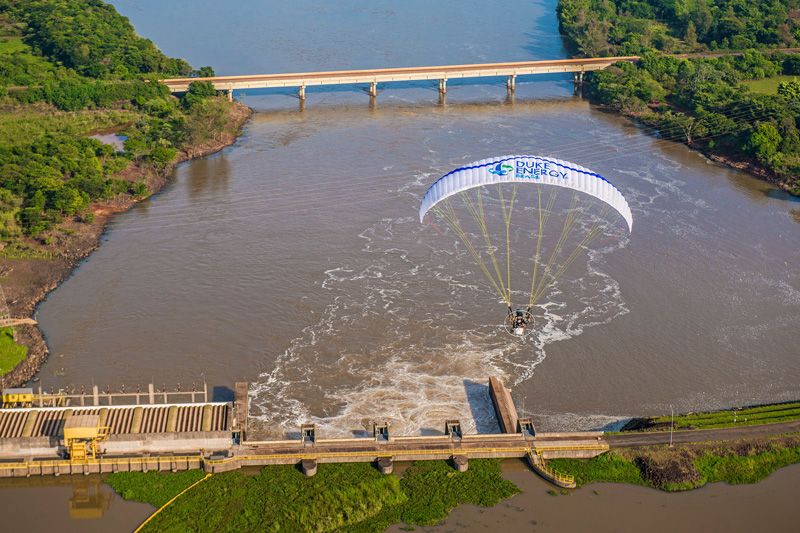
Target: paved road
column 702, row 435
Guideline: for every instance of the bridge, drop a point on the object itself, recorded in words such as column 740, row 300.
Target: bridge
column 301, row 80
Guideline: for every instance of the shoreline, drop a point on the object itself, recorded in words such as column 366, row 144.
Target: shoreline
column 28, row 281
column 749, row 167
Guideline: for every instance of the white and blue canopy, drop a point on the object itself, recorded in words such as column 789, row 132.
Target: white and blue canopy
column 526, row 169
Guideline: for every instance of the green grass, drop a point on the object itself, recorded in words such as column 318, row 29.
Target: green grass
column 340, row 497
column 11, row 353
column 765, row 414
column 434, row 489
column 738, row 470
column 24, row 125
column 608, row 468
column 767, row 85
column 18, row 250
column 705, row 465
column 152, row 487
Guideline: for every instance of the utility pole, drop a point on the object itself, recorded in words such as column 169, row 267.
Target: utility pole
column 672, row 424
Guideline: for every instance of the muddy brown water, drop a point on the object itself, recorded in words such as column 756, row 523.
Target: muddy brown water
column 294, row 259
column 607, row 507
column 86, row 504
column 83, row 504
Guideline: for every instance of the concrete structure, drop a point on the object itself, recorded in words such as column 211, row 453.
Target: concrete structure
column 212, row 436
column 372, row 77
column 45, row 432
column 97, row 397
column 503, row 406
column 308, row 466
column 385, row 465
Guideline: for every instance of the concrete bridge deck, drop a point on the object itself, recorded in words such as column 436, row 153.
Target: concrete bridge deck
column 374, row 76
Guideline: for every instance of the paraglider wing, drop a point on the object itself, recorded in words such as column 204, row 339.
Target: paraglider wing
column 526, row 169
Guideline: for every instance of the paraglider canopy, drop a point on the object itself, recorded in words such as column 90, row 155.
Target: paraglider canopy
column 532, row 182
column 526, row 169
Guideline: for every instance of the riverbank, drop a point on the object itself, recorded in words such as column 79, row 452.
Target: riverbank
column 699, row 98
column 28, row 278
column 705, row 146
column 357, row 497
column 687, row 466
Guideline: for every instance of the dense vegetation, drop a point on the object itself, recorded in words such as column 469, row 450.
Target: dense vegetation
column 69, row 69
column 11, row 353
column 152, row 487
column 631, row 27
column 341, row 497
column 686, row 467
column 90, row 37
column 700, row 100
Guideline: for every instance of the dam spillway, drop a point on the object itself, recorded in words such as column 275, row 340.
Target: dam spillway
column 123, row 420
column 84, row 439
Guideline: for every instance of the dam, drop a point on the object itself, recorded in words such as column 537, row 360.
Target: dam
column 56, row 434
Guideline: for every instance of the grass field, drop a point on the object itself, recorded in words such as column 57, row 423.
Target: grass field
column 11, row 353
column 686, row 467
column 340, row 497
column 767, row 85
column 765, row 414
column 23, row 125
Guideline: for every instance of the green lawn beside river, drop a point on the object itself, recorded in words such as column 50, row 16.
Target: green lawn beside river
column 686, row 467
column 351, row 497
column 11, row 353
column 767, row 85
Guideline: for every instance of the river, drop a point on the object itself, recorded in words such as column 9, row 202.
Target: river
column 294, row 259
column 86, row 504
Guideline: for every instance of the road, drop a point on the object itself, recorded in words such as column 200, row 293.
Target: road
column 644, row 438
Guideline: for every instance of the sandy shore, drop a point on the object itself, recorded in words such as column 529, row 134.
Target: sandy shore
column 27, row 282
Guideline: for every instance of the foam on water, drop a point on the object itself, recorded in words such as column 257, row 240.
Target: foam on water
column 421, row 360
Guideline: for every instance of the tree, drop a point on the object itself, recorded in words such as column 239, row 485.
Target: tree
column 690, row 127
column 595, row 40
column 764, row 141
column 691, row 36
column 198, row 91
column 791, row 64
column 789, row 89
column 205, row 72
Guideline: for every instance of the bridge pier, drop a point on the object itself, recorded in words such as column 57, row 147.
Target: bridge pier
column 301, row 92
column 443, row 86
column 229, row 92
column 373, row 88
column 511, row 82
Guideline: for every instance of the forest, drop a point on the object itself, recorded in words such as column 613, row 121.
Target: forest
column 700, row 99
column 631, row 27
column 68, row 70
